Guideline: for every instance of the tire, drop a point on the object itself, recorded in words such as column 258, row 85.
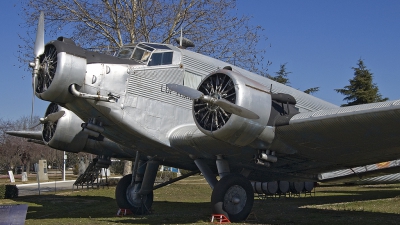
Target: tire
column 229, row 187
column 144, row 204
column 120, row 192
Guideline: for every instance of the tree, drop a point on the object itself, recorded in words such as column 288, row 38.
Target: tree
column 311, row 90
column 213, row 25
column 282, row 77
column 15, row 151
column 361, row 89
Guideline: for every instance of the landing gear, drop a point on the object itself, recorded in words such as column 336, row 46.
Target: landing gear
column 138, row 204
column 135, row 191
column 233, row 196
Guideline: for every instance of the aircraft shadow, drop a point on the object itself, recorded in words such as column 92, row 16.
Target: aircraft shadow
column 285, row 210
column 302, row 210
column 105, row 209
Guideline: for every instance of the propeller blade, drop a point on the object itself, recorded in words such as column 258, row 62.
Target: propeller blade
column 39, row 43
column 185, row 91
column 235, row 109
column 33, row 99
column 53, row 117
column 224, row 104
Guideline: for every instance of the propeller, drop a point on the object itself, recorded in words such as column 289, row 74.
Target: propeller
column 37, row 51
column 224, row 104
column 51, row 118
column 39, row 43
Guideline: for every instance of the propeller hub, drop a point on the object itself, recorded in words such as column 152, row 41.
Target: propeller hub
column 216, row 95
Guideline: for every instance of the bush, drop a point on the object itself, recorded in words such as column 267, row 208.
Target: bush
column 75, row 169
column 166, row 175
column 184, row 172
column 117, row 167
column 8, row 191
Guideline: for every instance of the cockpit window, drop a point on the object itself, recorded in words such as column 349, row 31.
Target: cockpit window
column 141, row 55
column 162, row 58
column 124, row 53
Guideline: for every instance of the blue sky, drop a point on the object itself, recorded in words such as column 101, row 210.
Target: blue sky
column 319, row 40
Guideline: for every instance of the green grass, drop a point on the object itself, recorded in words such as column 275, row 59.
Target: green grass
column 32, row 179
column 187, row 202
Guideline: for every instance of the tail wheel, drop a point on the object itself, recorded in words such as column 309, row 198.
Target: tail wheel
column 209, row 116
column 233, row 196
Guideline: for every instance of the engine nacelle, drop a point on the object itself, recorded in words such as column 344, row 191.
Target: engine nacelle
column 62, row 64
column 66, row 133
column 214, row 121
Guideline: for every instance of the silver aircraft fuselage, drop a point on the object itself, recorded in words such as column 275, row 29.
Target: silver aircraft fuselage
column 130, row 100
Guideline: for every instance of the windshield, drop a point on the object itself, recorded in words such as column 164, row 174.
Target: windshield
column 124, row 53
column 141, row 55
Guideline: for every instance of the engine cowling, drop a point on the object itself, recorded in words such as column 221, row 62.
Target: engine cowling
column 66, row 133
column 62, row 64
column 214, row 121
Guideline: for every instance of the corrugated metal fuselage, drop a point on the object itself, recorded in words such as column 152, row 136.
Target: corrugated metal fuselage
column 146, row 111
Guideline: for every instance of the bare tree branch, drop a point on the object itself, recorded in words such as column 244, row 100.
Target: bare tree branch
column 213, row 25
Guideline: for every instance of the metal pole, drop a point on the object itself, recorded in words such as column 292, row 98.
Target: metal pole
column 64, row 157
column 175, row 179
column 37, row 177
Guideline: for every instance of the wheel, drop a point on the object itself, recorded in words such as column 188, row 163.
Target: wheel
column 233, row 196
column 120, row 192
column 138, row 204
column 142, row 204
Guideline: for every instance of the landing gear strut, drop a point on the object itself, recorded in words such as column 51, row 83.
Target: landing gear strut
column 141, row 204
column 137, row 196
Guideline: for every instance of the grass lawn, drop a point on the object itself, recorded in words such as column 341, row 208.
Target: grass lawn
column 187, row 202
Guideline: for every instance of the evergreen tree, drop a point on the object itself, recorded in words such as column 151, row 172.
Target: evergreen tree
column 282, row 77
column 311, row 90
column 361, row 89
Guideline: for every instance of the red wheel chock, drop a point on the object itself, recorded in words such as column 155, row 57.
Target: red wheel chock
column 123, row 212
column 219, row 219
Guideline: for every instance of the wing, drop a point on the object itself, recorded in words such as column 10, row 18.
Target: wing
column 311, row 144
column 344, row 137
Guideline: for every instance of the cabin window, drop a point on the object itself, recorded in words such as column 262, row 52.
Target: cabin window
column 162, row 58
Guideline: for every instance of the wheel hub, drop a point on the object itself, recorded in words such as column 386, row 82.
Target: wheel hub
column 134, row 198
column 235, row 199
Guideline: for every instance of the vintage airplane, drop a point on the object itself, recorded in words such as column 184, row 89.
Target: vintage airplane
column 162, row 104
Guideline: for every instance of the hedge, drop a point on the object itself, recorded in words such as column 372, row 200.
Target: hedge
column 8, row 191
